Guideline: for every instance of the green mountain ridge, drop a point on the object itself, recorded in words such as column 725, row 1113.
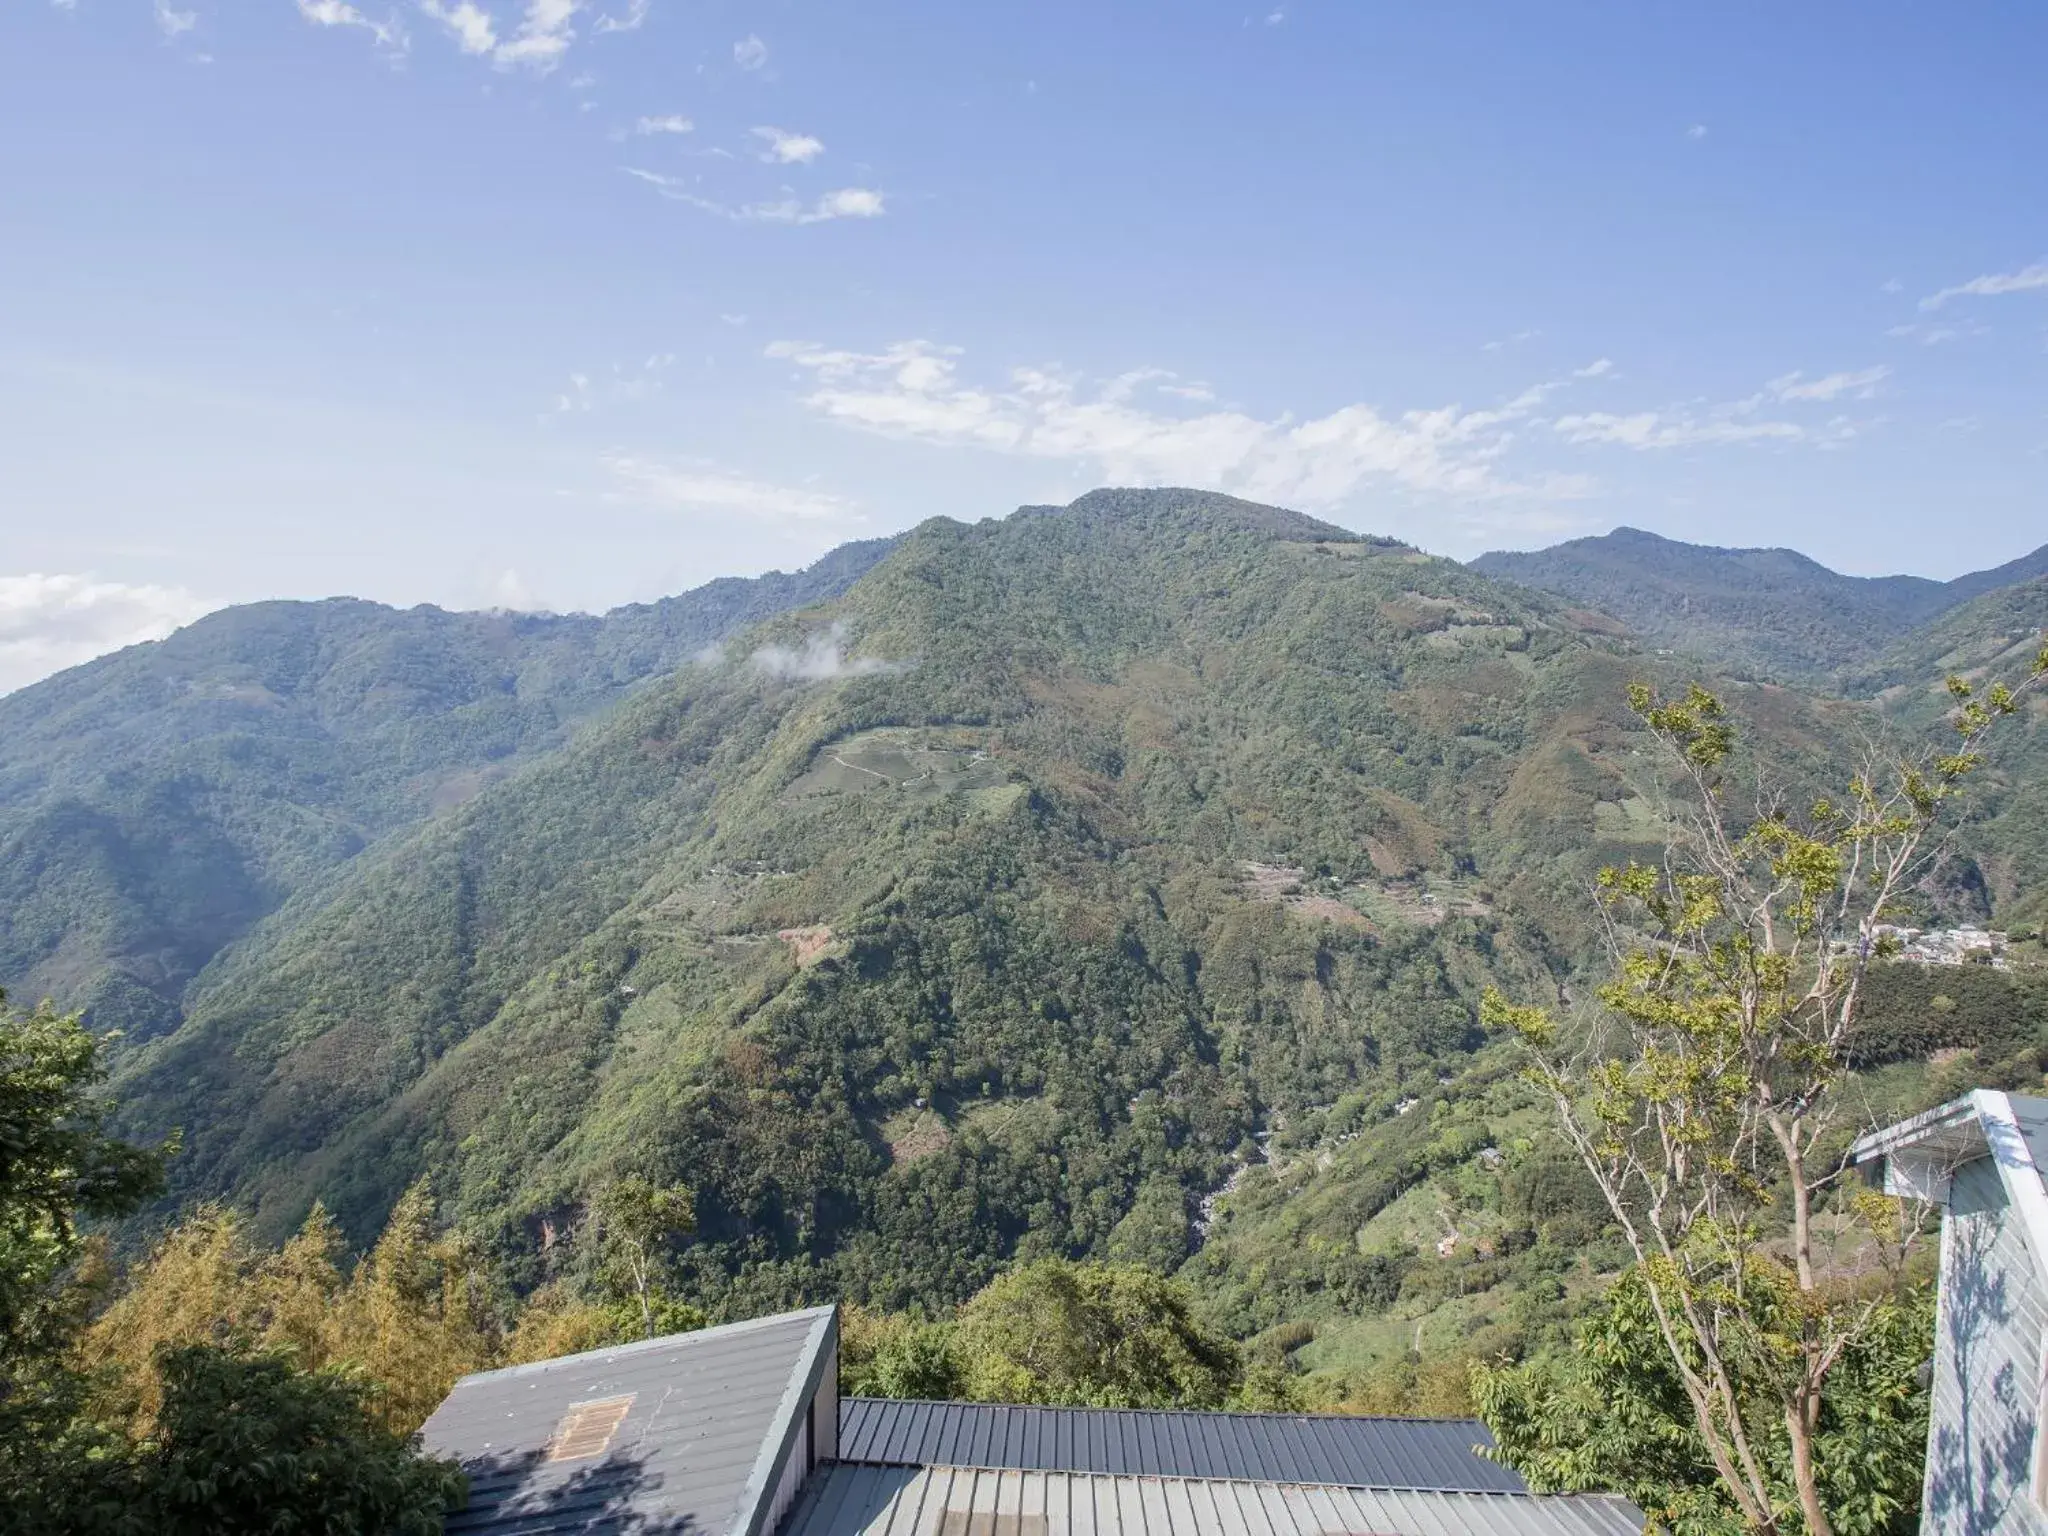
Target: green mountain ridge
column 155, row 803
column 1769, row 612
column 1115, row 880
column 1123, row 833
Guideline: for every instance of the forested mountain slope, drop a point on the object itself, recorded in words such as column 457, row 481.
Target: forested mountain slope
column 999, row 906
column 1768, row 612
column 157, row 802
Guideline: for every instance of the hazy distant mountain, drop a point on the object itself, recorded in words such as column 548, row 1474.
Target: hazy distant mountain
column 156, row 802
column 1772, row 612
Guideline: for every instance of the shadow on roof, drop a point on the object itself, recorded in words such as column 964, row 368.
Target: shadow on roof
column 526, row 1495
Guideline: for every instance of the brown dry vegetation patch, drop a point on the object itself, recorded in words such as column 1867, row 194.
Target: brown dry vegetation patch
column 807, row 946
column 915, row 1133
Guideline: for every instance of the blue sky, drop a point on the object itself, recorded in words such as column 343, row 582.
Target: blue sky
column 540, row 303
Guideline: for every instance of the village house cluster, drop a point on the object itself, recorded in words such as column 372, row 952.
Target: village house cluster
column 1946, row 946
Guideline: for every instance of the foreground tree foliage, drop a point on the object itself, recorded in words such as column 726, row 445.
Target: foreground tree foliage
column 215, row 1433
column 1055, row 1332
column 1704, row 1098
column 1611, row 1415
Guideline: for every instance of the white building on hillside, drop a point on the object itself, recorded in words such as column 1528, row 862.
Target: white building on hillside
column 1980, row 1160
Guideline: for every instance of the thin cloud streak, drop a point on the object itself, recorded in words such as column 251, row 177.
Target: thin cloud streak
column 914, row 390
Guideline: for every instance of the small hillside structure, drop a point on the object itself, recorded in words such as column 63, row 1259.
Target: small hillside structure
column 739, row 1431
column 1980, row 1159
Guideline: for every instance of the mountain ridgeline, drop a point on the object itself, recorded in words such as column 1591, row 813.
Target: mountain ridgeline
column 155, row 803
column 1772, row 613
column 1117, row 879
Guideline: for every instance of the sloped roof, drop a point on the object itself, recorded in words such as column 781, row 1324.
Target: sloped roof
column 1438, row 1454
column 684, row 1434
column 850, row 1500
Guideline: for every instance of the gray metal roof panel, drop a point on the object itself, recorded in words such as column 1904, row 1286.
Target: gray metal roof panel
column 849, row 1500
column 1333, row 1449
column 697, row 1449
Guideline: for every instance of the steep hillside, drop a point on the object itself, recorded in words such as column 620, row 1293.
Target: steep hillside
column 1002, row 905
column 1767, row 612
column 1991, row 635
column 155, row 803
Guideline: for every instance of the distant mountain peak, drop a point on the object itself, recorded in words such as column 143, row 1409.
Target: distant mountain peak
column 1145, row 505
column 1774, row 611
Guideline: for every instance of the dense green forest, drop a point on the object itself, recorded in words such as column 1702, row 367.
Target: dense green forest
column 156, row 803
column 1107, row 883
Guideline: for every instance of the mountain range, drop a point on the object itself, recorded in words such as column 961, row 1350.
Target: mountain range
column 1774, row 613
column 1111, row 879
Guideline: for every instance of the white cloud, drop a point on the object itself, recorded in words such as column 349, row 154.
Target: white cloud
column 913, row 390
column 50, row 622
column 1991, row 284
column 1513, row 341
column 786, row 148
column 674, row 122
column 543, row 37
column 819, row 658
column 509, row 593
column 1672, row 429
column 632, row 21
column 1696, row 132
column 65, row 5
column 846, row 203
column 703, row 488
column 1862, row 384
column 470, row 24
column 1598, row 368
column 1275, row 17
column 174, row 23
column 750, row 52
column 337, row 13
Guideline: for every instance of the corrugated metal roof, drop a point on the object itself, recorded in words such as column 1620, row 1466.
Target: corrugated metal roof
column 1259, row 1447
column 712, row 1417
column 953, row 1501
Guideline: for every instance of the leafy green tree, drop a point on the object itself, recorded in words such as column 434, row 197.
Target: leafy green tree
column 57, row 1167
column 892, row 1355
column 1704, row 1097
column 1100, row 1335
column 1611, row 1414
column 635, row 1224
column 249, row 1443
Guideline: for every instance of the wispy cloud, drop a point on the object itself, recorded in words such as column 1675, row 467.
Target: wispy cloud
column 821, row 657
column 674, row 122
column 540, row 41
column 174, row 23
column 50, row 622
column 1696, row 132
column 750, row 52
column 388, row 33
column 622, row 382
column 1992, row 284
column 632, row 21
column 914, row 390
column 1674, row 428
column 786, row 148
column 1861, row 385
column 544, row 35
column 706, row 488
column 846, row 203
column 468, row 23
